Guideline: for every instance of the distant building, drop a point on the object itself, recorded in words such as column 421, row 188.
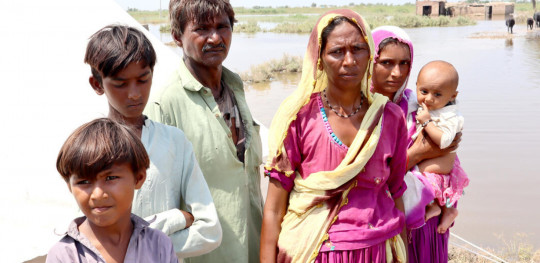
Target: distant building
column 438, row 8
column 431, row 8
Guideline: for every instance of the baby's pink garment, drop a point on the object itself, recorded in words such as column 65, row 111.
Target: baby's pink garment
column 448, row 188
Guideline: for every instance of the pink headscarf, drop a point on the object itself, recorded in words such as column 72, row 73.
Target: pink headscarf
column 418, row 193
column 381, row 33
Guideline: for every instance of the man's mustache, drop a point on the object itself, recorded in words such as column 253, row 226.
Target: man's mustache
column 206, row 47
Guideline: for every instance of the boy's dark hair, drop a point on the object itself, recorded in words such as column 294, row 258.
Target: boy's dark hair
column 181, row 12
column 96, row 146
column 113, row 47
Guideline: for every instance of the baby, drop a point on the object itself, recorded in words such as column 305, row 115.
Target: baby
column 438, row 117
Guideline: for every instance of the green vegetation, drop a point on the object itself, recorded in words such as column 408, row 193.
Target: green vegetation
column 524, row 7
column 360, row 8
column 409, row 21
column 294, row 18
column 405, row 21
column 265, row 72
column 150, row 17
column 249, row 27
column 302, row 19
column 165, row 28
column 299, row 28
column 522, row 11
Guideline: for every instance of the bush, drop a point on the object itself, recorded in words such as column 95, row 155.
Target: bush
column 248, row 27
column 165, row 28
column 287, row 27
column 265, row 72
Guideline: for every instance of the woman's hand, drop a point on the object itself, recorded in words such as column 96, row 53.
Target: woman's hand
column 424, row 148
column 274, row 210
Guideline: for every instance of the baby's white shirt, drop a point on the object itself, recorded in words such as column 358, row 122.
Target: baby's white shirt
column 448, row 119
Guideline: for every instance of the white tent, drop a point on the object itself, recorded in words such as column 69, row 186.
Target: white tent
column 45, row 96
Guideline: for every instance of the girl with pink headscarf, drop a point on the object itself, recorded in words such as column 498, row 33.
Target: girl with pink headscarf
column 391, row 71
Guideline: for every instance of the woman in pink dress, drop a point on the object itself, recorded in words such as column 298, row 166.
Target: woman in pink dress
column 337, row 157
column 393, row 60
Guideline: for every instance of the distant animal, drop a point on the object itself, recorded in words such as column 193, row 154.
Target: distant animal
column 530, row 23
column 536, row 18
column 510, row 22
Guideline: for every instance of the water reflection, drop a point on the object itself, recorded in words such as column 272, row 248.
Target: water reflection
column 279, row 80
column 508, row 42
column 264, row 98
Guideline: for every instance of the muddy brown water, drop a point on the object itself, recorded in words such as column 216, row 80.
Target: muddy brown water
column 499, row 97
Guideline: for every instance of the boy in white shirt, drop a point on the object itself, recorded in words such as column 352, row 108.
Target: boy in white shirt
column 175, row 197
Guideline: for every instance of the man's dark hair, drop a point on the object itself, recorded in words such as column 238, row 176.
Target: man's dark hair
column 112, row 48
column 97, row 146
column 181, row 12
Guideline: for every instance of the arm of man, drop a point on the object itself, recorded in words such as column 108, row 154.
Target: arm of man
column 274, row 211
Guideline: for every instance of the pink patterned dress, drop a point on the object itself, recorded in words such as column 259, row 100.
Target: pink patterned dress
column 370, row 216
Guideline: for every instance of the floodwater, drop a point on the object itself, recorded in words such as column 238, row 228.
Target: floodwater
column 499, row 97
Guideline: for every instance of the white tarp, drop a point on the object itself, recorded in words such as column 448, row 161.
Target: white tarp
column 45, row 95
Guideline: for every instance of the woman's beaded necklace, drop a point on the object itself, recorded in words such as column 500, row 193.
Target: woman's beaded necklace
column 327, row 125
column 337, row 112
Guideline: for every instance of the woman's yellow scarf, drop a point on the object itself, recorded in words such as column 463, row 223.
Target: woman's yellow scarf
column 309, row 216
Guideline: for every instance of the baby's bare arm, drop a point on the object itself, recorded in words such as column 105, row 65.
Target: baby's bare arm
column 434, row 133
column 424, row 118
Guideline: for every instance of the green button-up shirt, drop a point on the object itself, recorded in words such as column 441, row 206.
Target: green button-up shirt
column 235, row 186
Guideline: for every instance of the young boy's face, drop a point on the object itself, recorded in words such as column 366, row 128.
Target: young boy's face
column 434, row 90
column 106, row 200
column 127, row 91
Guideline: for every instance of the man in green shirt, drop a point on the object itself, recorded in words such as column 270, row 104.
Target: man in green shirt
column 207, row 102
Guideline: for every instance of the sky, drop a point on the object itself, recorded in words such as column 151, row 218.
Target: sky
column 155, row 4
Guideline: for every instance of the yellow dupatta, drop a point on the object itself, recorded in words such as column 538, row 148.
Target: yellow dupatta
column 308, row 218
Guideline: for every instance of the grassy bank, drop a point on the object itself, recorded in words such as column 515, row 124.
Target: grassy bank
column 522, row 11
column 404, row 21
column 360, row 8
column 305, row 27
column 150, row 17
column 302, row 19
column 266, row 71
column 525, row 7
